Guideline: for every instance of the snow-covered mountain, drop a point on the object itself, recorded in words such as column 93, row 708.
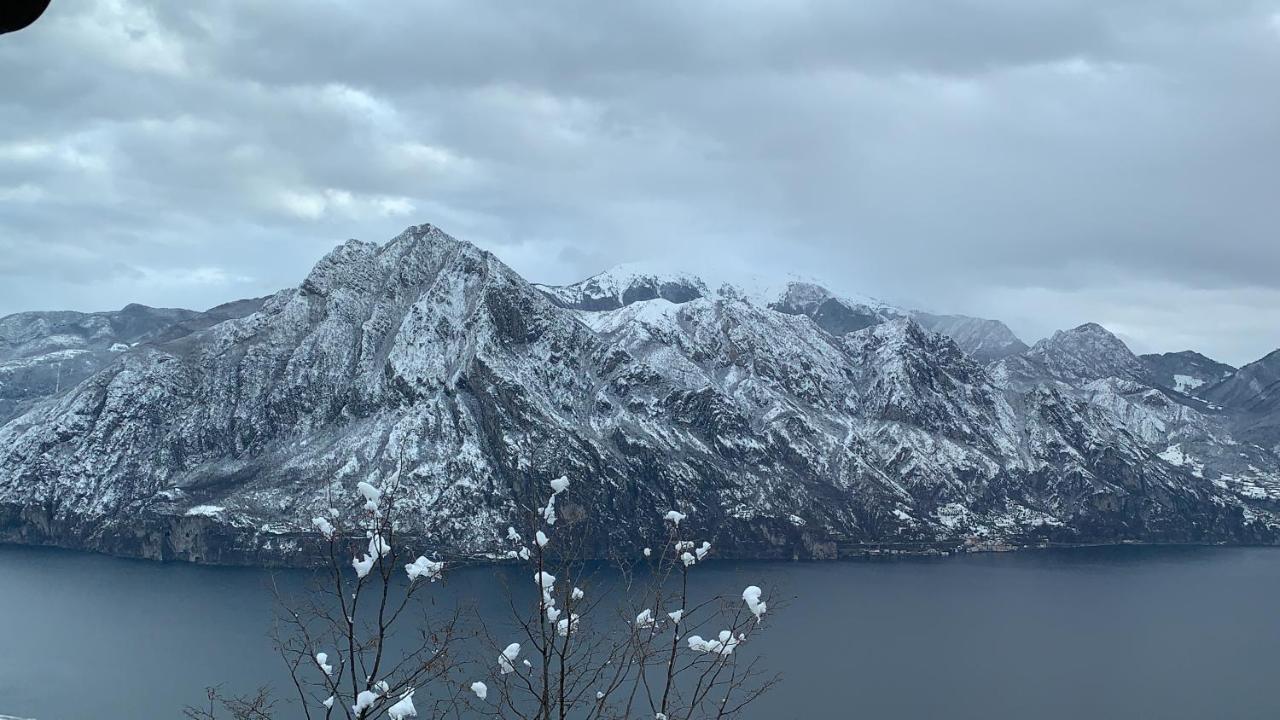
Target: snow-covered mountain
column 835, row 314
column 44, row 353
column 1073, row 357
column 984, row 340
column 626, row 284
column 794, row 423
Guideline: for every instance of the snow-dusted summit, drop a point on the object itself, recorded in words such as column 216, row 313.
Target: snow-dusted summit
column 626, row 284
column 985, row 340
column 1086, row 353
column 796, row 424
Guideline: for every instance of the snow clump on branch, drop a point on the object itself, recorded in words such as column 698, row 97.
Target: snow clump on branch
column 422, row 567
column 751, row 596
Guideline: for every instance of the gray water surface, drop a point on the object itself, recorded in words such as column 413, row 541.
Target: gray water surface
column 1160, row 633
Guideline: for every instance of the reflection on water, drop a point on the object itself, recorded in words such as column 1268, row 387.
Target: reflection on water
column 1165, row 633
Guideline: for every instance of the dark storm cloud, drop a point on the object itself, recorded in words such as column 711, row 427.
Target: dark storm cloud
column 1048, row 163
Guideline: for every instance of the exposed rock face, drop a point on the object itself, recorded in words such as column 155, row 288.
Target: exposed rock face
column 784, row 429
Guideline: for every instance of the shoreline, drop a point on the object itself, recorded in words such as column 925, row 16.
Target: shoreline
column 870, row 553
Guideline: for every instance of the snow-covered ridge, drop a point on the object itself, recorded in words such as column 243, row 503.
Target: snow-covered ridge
column 838, row 313
column 625, row 284
column 803, row 425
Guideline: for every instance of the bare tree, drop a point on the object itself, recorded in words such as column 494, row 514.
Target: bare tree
column 258, row 706
column 367, row 647
column 635, row 652
column 366, row 641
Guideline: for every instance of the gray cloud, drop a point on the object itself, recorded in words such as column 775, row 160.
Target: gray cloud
column 1046, row 163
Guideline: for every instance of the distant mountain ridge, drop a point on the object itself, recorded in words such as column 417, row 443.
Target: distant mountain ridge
column 1187, row 371
column 624, row 285
column 787, row 422
column 42, row 353
column 985, row 340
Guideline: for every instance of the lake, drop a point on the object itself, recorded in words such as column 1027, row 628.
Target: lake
column 1128, row 632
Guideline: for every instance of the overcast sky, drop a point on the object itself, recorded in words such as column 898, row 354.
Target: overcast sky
column 1045, row 162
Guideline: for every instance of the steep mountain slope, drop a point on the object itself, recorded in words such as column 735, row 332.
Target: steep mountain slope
column 1254, row 388
column 425, row 350
column 984, row 340
column 43, row 354
column 1253, row 394
column 781, row 429
column 1187, row 371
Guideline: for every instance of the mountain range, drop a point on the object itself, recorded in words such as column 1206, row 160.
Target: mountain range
column 786, row 421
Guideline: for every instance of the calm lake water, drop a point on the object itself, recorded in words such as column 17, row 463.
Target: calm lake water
column 1164, row 633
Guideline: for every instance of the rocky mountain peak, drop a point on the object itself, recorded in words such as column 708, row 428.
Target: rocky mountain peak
column 836, row 315
column 800, row 293
column 1088, row 336
column 906, row 344
column 1088, row 352
column 348, row 263
column 425, row 242
column 806, row 425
